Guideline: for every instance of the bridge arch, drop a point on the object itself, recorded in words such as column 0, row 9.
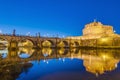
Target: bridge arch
column 76, row 44
column 63, row 44
column 26, row 43
column 48, row 43
column 3, row 42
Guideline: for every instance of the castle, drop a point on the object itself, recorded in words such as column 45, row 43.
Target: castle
column 96, row 30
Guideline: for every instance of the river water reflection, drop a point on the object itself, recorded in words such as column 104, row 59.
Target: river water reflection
column 59, row 64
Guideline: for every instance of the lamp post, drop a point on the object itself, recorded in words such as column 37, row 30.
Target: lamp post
column 39, row 34
column 14, row 31
column 39, row 40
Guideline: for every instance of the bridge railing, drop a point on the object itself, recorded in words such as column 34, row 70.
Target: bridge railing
column 33, row 36
column 20, row 35
column 16, row 35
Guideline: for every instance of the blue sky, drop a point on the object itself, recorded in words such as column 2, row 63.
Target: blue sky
column 63, row 17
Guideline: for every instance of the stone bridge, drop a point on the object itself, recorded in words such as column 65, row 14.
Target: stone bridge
column 37, row 41
column 15, row 41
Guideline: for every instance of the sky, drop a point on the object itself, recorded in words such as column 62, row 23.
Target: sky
column 52, row 17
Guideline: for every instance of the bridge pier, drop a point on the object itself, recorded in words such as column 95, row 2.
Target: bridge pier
column 13, row 45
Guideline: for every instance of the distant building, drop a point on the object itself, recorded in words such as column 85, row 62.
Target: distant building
column 96, row 30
